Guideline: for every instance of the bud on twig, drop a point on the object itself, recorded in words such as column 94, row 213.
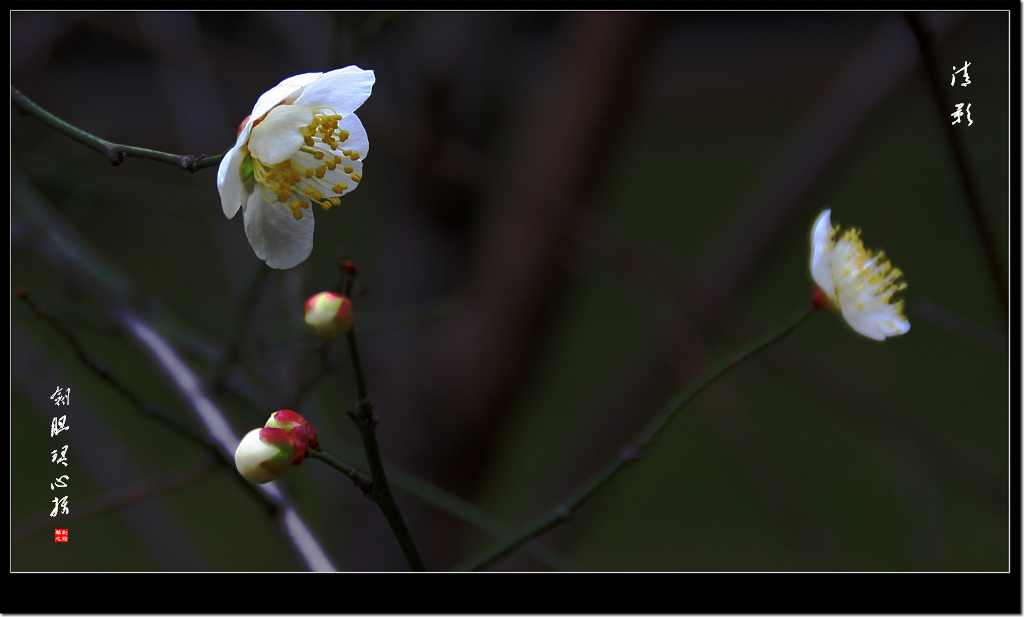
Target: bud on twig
column 329, row 315
column 266, row 454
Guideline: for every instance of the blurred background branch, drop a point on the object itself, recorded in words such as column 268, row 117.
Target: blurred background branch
column 52, row 239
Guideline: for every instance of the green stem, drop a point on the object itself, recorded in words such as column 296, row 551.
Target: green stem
column 361, row 481
column 636, row 449
column 114, row 153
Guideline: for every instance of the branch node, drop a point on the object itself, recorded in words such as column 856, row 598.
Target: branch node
column 114, row 155
column 189, row 162
column 363, row 415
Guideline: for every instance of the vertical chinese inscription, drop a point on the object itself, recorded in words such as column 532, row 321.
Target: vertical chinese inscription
column 965, row 81
column 59, row 456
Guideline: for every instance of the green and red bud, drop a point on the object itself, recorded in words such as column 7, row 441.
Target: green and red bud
column 300, row 430
column 329, row 315
column 266, row 454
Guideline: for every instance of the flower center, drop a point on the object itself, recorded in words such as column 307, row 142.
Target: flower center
column 863, row 279
column 314, row 173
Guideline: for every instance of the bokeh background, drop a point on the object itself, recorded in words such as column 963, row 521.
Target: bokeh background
column 565, row 218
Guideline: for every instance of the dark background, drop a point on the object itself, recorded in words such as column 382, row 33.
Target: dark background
column 564, row 219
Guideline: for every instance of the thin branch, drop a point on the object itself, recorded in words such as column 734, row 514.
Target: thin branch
column 637, row 448
column 366, row 422
column 350, row 273
column 665, row 280
column 380, row 492
column 361, row 481
column 437, row 497
column 114, row 153
column 357, row 364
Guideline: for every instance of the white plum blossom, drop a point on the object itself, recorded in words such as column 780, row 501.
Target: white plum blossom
column 857, row 282
column 302, row 144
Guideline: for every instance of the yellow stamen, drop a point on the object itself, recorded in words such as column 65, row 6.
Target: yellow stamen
column 300, row 180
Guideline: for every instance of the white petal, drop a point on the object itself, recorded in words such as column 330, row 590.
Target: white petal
column 250, row 453
column 275, row 235
column 286, row 91
column 821, row 253
column 230, row 183
column 343, row 90
column 876, row 324
column 899, row 325
column 277, row 138
column 357, row 139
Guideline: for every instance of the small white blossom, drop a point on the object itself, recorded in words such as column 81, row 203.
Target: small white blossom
column 860, row 284
column 302, row 144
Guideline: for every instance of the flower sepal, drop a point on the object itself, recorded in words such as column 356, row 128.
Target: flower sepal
column 820, row 300
column 299, row 430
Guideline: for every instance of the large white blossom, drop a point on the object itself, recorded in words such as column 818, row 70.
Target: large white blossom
column 302, row 144
column 857, row 282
